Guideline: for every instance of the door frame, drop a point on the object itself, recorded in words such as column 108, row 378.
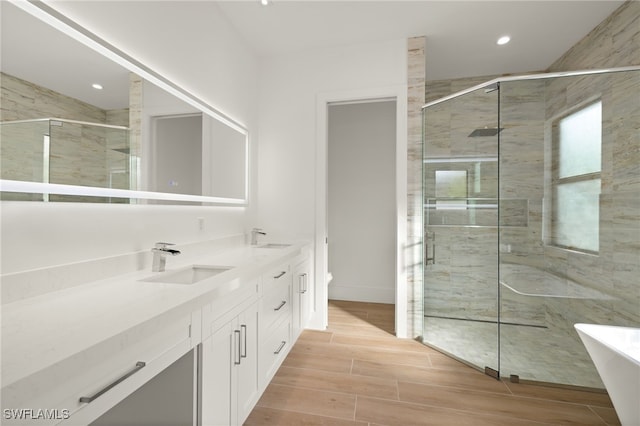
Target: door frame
column 320, row 317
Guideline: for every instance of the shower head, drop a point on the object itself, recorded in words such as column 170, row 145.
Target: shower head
column 487, row 131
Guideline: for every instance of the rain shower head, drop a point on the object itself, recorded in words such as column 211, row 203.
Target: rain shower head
column 487, row 131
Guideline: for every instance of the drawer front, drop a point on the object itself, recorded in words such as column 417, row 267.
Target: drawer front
column 101, row 376
column 275, row 278
column 273, row 351
column 274, row 306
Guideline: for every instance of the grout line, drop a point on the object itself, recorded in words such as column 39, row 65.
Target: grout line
column 599, row 416
column 355, row 408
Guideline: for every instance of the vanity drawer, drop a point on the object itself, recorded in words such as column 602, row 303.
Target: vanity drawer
column 276, row 277
column 275, row 305
column 273, row 350
column 82, row 387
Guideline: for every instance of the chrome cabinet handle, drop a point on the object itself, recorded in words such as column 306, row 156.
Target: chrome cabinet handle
column 280, row 275
column 284, row 302
column 243, row 332
column 236, row 334
column 302, row 283
column 138, row 367
column 280, row 348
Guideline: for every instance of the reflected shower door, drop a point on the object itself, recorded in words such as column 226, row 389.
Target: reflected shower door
column 460, row 180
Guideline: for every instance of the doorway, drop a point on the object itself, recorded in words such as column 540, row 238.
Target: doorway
column 361, row 200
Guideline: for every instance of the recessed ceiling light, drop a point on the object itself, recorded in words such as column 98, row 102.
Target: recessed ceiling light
column 264, row 2
column 503, row 40
column 97, row 86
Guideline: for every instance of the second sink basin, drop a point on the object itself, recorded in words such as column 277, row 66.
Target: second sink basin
column 189, row 275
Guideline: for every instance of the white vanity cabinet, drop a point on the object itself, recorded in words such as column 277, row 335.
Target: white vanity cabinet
column 79, row 389
column 229, row 360
column 153, row 354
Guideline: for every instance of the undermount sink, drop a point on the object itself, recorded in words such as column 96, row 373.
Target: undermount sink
column 189, row 275
column 274, row 245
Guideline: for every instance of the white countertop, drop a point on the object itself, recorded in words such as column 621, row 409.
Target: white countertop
column 40, row 331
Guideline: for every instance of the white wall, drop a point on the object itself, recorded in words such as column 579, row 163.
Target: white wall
column 289, row 88
column 293, row 91
column 362, row 201
column 216, row 65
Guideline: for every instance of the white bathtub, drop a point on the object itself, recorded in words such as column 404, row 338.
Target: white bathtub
column 615, row 351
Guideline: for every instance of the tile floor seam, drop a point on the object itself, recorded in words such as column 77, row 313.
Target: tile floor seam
column 318, row 389
column 468, row 389
column 355, row 408
column 559, row 401
column 509, row 395
column 307, row 413
column 462, row 411
column 604, row 422
column 355, row 393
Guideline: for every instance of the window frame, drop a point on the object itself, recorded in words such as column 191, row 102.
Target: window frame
column 557, row 181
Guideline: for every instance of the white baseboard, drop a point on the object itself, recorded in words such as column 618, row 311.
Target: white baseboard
column 362, row 294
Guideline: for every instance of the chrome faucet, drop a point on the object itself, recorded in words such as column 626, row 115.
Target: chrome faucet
column 254, row 235
column 160, row 252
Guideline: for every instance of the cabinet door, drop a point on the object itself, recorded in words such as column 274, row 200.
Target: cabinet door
column 248, row 391
column 301, row 298
column 219, row 353
column 305, row 297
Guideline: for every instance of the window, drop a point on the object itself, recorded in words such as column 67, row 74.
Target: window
column 576, row 179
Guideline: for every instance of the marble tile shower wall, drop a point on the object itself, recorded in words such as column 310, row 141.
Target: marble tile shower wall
column 78, row 154
column 526, row 109
column 463, row 279
column 616, row 268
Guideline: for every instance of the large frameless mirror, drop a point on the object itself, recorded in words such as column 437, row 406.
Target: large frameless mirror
column 90, row 124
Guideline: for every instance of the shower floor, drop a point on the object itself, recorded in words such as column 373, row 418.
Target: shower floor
column 532, row 353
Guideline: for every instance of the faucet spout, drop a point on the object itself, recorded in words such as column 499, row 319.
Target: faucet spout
column 254, row 235
column 160, row 252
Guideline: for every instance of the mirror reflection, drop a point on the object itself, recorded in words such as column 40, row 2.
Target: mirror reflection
column 71, row 116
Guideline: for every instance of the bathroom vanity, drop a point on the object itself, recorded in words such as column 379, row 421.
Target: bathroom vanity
column 137, row 345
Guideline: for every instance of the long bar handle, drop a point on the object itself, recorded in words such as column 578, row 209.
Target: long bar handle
column 138, row 367
column 284, row 302
column 280, row 348
column 280, row 275
column 236, row 334
column 430, row 242
column 302, row 283
column 243, row 332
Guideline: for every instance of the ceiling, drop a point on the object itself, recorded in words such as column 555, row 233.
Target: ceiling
column 461, row 35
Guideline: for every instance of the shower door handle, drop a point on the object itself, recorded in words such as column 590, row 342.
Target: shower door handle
column 430, row 248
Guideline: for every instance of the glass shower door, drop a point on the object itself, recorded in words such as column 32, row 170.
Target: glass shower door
column 460, row 174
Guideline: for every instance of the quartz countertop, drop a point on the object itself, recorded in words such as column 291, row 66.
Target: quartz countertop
column 40, row 331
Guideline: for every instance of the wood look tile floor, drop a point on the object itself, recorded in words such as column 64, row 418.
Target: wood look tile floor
column 358, row 373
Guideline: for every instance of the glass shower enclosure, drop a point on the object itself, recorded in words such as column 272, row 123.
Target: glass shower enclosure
column 531, row 192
